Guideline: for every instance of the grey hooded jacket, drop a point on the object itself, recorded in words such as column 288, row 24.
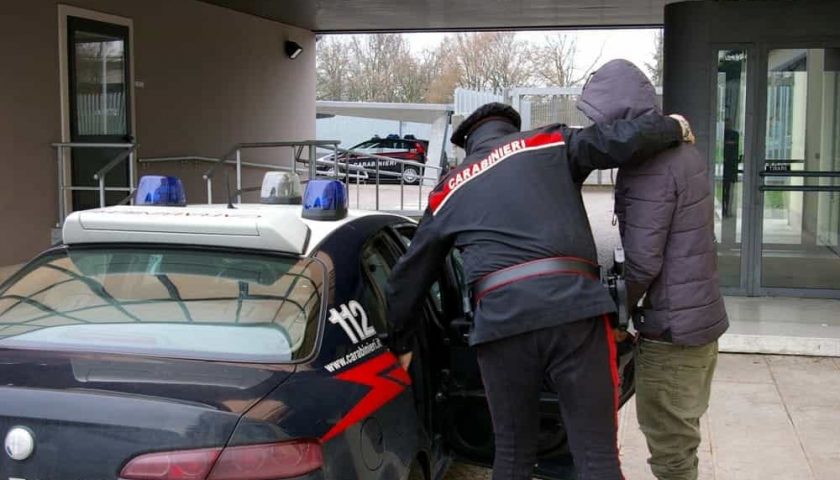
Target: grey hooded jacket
column 665, row 211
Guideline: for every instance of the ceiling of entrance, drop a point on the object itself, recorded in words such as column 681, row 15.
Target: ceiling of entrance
column 417, row 15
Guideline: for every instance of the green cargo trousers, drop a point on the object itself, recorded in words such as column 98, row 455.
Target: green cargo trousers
column 673, row 384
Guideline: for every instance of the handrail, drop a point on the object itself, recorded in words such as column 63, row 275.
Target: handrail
column 110, row 165
column 100, row 174
column 237, row 152
column 199, row 158
column 378, row 172
column 803, row 173
column 799, row 188
column 178, row 158
column 62, row 147
column 93, row 145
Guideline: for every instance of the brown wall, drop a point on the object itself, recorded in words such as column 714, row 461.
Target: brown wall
column 212, row 77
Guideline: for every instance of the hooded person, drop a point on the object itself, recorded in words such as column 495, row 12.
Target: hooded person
column 665, row 212
column 513, row 210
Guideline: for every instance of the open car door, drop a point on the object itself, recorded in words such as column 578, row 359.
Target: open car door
column 468, row 426
column 459, row 410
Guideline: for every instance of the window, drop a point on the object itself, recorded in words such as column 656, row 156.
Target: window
column 729, row 161
column 167, row 302
column 406, row 234
column 99, row 72
column 377, row 262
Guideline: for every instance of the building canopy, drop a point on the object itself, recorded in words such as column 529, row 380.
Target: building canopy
column 332, row 16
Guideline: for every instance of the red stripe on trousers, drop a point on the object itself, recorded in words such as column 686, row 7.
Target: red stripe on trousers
column 614, row 374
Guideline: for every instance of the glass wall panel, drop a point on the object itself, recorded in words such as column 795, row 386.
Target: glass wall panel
column 801, row 214
column 729, row 162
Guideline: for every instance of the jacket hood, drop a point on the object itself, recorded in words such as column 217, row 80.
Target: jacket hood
column 618, row 90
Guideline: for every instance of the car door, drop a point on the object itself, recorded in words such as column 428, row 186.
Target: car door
column 464, row 414
column 378, row 258
column 470, row 431
column 460, row 413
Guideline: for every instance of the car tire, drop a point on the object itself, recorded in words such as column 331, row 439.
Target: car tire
column 416, row 472
column 410, row 175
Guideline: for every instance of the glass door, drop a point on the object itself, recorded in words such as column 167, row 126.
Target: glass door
column 98, row 77
column 799, row 188
column 728, row 164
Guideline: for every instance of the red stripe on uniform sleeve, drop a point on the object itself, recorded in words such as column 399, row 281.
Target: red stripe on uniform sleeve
column 435, row 199
column 543, row 138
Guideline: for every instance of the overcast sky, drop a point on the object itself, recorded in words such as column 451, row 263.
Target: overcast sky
column 634, row 45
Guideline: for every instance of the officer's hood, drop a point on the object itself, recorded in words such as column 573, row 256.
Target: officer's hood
column 618, row 90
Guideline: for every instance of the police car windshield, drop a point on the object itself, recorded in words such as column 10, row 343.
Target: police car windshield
column 370, row 146
column 168, row 302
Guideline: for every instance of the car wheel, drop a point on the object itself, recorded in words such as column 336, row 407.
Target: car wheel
column 416, row 472
column 410, row 175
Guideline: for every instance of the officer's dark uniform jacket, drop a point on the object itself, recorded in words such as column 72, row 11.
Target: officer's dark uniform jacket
column 516, row 198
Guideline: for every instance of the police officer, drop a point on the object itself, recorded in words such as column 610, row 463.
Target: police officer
column 514, row 211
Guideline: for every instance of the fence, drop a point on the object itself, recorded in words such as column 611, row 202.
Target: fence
column 468, row 101
column 538, row 106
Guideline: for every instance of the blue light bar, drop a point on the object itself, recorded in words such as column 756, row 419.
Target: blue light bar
column 160, row 190
column 325, row 199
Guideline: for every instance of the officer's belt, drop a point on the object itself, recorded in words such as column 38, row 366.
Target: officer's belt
column 535, row 268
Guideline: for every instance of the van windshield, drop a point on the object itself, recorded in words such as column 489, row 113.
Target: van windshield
column 170, row 302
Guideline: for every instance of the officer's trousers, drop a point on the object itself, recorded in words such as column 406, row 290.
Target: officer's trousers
column 578, row 361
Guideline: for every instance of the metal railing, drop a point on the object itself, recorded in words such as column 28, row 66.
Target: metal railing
column 296, row 146
column 198, row 158
column 216, row 161
column 379, row 173
column 339, row 159
column 341, row 162
column 62, row 148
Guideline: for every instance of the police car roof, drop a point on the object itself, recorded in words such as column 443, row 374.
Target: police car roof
column 277, row 228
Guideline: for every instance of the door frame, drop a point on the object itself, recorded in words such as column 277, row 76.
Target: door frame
column 750, row 125
column 759, row 148
column 65, row 11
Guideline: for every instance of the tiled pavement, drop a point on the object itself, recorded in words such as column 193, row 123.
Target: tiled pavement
column 771, row 417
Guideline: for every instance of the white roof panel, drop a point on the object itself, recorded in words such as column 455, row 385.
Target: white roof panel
column 278, row 228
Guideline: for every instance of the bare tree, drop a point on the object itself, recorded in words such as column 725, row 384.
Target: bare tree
column 555, row 63
column 444, row 75
column 654, row 67
column 333, row 69
column 490, row 60
column 382, row 68
column 373, row 68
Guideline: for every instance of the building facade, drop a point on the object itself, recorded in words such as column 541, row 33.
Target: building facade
column 174, row 77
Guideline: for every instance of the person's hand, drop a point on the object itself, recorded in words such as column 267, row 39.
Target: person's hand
column 688, row 135
column 405, row 360
column 620, row 335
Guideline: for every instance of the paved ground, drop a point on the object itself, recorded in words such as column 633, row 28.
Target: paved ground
column 771, row 417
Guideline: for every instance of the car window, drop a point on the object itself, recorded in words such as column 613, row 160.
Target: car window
column 377, row 262
column 405, row 235
column 370, row 146
column 457, row 263
column 166, row 302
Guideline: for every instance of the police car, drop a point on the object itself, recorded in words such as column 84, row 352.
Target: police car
column 238, row 342
column 400, row 149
